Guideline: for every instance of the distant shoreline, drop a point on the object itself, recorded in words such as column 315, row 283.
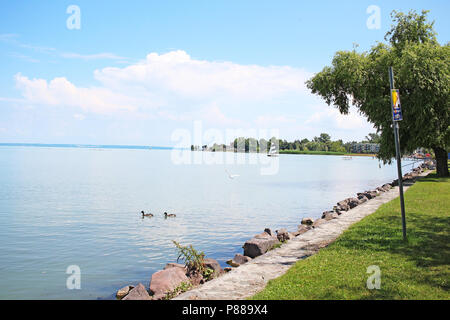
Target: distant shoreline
column 131, row 147
column 300, row 152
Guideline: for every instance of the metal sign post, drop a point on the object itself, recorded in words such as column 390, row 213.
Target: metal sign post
column 396, row 117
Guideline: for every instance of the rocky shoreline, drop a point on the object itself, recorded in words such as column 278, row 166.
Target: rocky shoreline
column 175, row 279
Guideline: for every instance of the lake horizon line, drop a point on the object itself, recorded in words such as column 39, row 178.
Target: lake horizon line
column 86, row 146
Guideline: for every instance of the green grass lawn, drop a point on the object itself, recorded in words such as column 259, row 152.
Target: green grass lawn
column 418, row 269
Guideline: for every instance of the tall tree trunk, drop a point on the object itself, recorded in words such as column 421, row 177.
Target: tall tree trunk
column 441, row 162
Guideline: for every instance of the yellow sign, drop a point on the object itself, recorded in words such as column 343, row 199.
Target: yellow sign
column 395, row 99
column 396, row 106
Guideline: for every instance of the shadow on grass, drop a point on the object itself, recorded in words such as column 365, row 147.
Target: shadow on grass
column 428, row 244
column 432, row 177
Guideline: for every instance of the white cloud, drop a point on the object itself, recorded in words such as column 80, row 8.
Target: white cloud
column 61, row 92
column 177, row 73
column 213, row 115
column 178, row 88
column 169, row 82
column 333, row 118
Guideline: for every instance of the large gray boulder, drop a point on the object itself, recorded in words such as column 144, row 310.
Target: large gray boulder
column 241, row 259
column 213, row 265
column 362, row 198
column 165, row 281
column 138, row 293
column 329, row 215
column 338, row 210
column 283, row 235
column 353, row 202
column 343, row 205
column 238, row 260
column 259, row 245
column 122, row 292
column 368, row 194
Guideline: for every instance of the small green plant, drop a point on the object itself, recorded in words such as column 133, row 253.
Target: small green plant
column 276, row 245
column 208, row 274
column 193, row 260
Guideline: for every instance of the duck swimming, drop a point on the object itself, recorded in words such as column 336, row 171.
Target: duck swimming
column 169, row 215
column 146, row 214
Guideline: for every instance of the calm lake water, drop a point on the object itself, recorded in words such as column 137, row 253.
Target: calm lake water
column 78, row 206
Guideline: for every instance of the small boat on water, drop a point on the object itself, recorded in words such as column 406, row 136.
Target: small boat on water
column 273, row 151
column 347, row 158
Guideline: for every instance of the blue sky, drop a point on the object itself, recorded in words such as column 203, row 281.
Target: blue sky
column 136, row 71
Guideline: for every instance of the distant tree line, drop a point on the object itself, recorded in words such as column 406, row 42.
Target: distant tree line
column 321, row 143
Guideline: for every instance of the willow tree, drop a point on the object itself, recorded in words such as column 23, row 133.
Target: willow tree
column 422, row 74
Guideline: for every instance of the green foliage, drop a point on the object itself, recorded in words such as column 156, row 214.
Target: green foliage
column 193, row 259
column 417, row 269
column 318, row 145
column 422, row 73
column 410, row 27
column 372, row 138
column 276, row 246
column 321, row 143
column 208, row 274
column 183, row 287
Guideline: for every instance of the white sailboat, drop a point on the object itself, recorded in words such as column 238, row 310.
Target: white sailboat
column 273, row 151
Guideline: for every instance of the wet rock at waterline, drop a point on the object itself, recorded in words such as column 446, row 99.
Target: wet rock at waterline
column 259, row 245
column 213, row 265
column 283, row 235
column 329, row 215
column 122, row 292
column 343, row 205
column 353, row 202
column 238, row 260
column 166, row 280
column 233, row 263
column 363, row 198
column 307, row 221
